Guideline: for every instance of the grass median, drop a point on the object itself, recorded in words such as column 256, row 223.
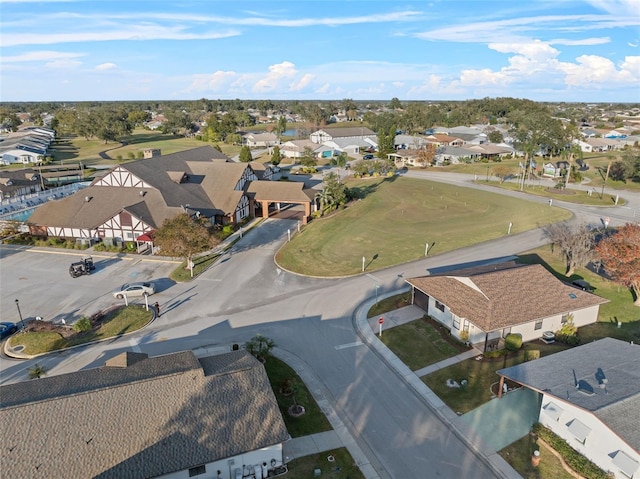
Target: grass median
column 395, row 219
column 114, row 323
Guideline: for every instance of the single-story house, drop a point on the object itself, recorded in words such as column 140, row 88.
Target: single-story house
column 263, row 140
column 173, row 416
column 590, row 398
column 362, row 132
column 444, row 140
column 492, row 301
column 295, row 148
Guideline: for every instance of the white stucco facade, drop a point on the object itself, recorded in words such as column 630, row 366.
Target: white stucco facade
column 588, row 435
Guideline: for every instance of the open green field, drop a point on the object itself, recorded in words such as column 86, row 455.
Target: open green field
column 395, row 219
column 76, row 148
column 569, row 195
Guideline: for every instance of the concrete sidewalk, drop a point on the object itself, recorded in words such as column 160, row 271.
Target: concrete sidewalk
column 459, row 427
column 340, row 436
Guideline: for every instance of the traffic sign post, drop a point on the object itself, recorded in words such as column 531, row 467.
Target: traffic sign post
column 380, row 323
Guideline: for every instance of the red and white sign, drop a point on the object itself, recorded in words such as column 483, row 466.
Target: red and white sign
column 381, row 320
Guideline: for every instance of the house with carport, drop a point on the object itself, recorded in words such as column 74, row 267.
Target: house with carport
column 134, row 199
column 590, row 397
column 493, row 301
column 173, row 416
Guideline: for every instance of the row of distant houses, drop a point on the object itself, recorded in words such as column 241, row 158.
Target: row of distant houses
column 26, row 146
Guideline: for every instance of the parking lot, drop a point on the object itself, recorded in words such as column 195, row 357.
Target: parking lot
column 39, row 279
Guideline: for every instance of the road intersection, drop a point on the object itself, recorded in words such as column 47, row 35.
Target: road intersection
column 311, row 319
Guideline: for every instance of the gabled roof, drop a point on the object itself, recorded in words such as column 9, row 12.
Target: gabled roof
column 506, row 297
column 602, row 377
column 140, row 417
column 284, row 191
column 349, row 131
column 104, row 202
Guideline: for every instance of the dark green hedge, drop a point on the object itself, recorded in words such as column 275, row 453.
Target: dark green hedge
column 573, row 458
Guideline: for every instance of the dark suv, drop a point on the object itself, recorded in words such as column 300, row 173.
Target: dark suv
column 582, row 284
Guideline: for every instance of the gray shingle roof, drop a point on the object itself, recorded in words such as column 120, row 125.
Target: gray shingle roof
column 576, row 375
column 498, row 299
column 154, row 417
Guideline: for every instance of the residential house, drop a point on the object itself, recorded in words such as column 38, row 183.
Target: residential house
column 174, row 416
column 493, row 301
column 440, row 139
column 14, row 183
column 590, row 397
column 362, row 132
column 260, row 140
column 295, row 148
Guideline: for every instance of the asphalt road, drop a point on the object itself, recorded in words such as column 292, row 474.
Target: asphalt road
column 246, row 293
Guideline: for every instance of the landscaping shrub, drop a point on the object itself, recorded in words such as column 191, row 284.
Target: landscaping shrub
column 496, row 354
column 82, row 325
column 531, row 354
column 568, row 333
column 573, row 458
column 513, row 342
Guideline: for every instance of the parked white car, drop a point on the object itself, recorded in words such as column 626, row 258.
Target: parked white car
column 134, row 289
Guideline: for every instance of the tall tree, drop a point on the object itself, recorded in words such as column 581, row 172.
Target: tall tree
column 308, row 158
column 575, row 243
column 183, row 236
column 281, row 126
column 276, row 156
column 245, row 154
column 619, row 255
column 340, row 161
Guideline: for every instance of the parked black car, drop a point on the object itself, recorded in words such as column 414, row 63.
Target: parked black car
column 84, row 266
column 7, row 329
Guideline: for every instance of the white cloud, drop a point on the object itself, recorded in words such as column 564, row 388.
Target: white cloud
column 398, row 84
column 302, row 83
column 106, row 66
column 536, row 50
column 323, row 89
column 277, row 73
column 594, row 71
column 40, row 56
column 132, row 33
column 217, row 81
column 581, row 42
column 64, row 63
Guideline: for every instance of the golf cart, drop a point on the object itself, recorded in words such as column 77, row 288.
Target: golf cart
column 84, row 266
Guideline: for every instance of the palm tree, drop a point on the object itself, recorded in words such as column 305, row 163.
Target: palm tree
column 37, row 371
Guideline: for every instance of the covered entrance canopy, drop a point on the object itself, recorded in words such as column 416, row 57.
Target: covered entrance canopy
column 265, row 193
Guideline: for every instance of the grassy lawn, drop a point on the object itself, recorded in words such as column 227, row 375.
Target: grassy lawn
column 313, row 420
column 389, row 304
column 519, row 455
column 114, row 323
column 396, row 217
column 480, row 375
column 77, row 148
column 342, row 467
column 569, row 195
column 200, row 265
column 421, row 342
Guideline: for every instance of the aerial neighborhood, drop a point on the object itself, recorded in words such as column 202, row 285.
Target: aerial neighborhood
column 320, row 289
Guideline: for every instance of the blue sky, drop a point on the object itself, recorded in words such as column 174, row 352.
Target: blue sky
column 560, row 50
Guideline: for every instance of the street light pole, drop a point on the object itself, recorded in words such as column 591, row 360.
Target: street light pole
column 20, row 314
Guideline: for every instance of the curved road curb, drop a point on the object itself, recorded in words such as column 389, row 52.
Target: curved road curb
column 491, row 458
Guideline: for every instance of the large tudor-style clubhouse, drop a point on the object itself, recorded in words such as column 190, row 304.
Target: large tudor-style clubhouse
column 134, row 199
